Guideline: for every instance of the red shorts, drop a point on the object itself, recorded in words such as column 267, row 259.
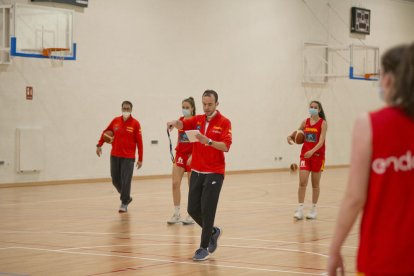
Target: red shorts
column 181, row 161
column 313, row 164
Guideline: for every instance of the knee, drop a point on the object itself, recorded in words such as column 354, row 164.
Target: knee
column 315, row 185
column 303, row 184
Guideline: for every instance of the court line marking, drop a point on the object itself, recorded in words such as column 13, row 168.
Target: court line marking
column 168, row 236
column 164, row 261
column 181, row 244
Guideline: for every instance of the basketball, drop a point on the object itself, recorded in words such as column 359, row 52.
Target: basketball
column 298, row 137
column 108, row 136
column 293, row 167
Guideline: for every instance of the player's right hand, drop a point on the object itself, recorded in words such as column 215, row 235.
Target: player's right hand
column 170, row 125
column 290, row 140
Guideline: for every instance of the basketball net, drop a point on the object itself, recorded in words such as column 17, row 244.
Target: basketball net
column 55, row 55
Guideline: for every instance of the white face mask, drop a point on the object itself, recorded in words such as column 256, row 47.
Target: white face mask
column 126, row 114
column 186, row 112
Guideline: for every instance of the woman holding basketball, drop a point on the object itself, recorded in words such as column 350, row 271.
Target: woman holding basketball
column 381, row 177
column 312, row 157
column 182, row 163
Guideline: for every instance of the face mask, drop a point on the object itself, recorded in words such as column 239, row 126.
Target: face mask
column 126, row 115
column 186, row 112
column 313, row 111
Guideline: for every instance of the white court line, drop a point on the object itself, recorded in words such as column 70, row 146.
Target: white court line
column 166, row 261
column 181, row 244
column 168, row 236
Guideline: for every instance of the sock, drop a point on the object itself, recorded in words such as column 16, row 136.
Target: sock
column 313, row 206
column 177, row 210
column 300, row 207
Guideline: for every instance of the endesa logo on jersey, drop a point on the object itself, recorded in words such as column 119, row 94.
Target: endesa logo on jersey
column 402, row 163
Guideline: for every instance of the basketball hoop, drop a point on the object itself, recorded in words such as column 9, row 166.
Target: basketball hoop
column 56, row 55
column 369, row 76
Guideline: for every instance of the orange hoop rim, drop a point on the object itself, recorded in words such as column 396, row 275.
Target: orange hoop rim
column 369, row 76
column 47, row 52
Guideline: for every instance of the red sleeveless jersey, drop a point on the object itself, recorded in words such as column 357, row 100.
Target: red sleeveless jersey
column 387, row 226
column 183, row 144
column 312, row 136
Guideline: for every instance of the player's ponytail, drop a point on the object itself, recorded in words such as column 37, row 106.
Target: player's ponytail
column 404, row 83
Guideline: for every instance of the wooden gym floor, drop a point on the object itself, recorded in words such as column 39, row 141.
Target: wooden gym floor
column 75, row 229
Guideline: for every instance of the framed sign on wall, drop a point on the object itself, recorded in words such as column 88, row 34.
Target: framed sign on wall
column 360, row 20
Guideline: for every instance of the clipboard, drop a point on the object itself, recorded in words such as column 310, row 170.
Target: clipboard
column 191, row 135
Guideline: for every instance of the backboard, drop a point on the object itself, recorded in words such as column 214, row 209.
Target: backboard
column 365, row 62
column 322, row 61
column 36, row 28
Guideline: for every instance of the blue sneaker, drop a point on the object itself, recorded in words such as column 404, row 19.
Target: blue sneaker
column 212, row 246
column 201, row 254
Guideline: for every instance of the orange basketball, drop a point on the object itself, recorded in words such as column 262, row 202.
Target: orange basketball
column 293, row 167
column 107, row 136
column 298, row 137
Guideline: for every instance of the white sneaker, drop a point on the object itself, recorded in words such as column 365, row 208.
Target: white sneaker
column 174, row 219
column 123, row 208
column 188, row 220
column 298, row 214
column 311, row 215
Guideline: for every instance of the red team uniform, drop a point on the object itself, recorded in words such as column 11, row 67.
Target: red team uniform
column 183, row 149
column 312, row 135
column 208, row 159
column 387, row 226
column 127, row 137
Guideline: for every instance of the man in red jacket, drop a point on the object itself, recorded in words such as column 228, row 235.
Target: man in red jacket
column 207, row 169
column 127, row 137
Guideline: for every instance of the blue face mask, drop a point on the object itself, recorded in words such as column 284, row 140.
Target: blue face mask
column 186, row 112
column 313, row 111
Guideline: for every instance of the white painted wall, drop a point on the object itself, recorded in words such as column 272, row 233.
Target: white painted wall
column 157, row 52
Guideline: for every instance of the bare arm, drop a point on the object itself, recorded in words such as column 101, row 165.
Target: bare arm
column 356, row 192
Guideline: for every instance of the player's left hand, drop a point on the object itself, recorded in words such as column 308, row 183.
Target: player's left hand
column 139, row 165
column 336, row 263
column 308, row 154
column 201, row 138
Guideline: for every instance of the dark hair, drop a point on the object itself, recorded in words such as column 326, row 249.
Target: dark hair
column 391, row 59
column 321, row 112
column 404, row 83
column 209, row 93
column 126, row 102
column 190, row 100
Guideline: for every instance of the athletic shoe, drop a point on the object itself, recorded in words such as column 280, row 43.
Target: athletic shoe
column 312, row 214
column 188, row 220
column 212, row 246
column 298, row 214
column 123, row 208
column 174, row 219
column 201, row 254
